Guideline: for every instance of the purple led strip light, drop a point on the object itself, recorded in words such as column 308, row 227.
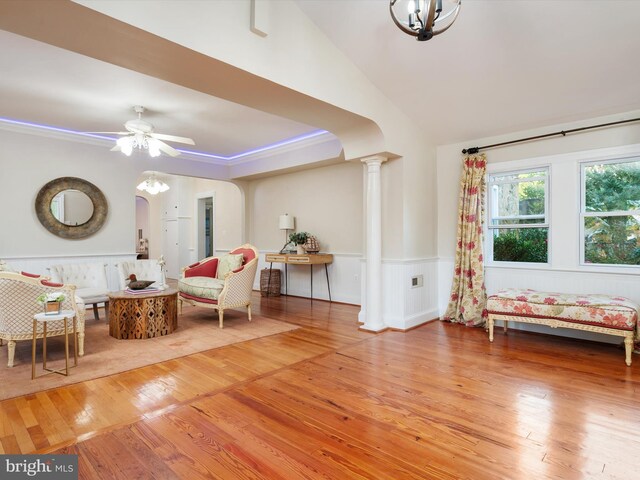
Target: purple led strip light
column 315, row 133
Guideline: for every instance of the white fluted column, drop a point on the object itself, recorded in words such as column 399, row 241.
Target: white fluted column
column 373, row 307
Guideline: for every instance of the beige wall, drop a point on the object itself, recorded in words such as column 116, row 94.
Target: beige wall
column 27, row 162
column 326, row 202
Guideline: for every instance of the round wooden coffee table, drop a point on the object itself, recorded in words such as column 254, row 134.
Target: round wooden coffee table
column 143, row 315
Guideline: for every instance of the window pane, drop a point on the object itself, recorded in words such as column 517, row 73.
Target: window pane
column 510, row 177
column 518, row 221
column 520, row 198
column 612, row 187
column 520, row 245
column 612, row 240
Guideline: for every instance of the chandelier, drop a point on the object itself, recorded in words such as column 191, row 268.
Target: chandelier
column 140, row 141
column 153, row 186
column 424, row 18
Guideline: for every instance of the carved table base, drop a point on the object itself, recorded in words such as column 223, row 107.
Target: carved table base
column 141, row 316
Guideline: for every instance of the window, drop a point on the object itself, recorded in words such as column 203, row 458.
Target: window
column 518, row 224
column 610, row 213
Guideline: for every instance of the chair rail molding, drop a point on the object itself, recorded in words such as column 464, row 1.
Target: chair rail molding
column 405, row 305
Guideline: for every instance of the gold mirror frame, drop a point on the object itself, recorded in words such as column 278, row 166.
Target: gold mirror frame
column 53, row 225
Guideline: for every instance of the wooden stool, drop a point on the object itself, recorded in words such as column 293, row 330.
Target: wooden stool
column 64, row 315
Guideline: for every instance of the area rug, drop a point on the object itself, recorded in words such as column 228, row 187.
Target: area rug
column 104, row 355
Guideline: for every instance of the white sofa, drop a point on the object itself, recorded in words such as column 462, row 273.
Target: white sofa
column 142, row 269
column 90, row 280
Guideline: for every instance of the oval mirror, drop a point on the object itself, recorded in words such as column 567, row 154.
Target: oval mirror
column 71, row 207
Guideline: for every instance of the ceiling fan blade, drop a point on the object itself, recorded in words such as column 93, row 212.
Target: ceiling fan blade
column 169, row 150
column 172, row 138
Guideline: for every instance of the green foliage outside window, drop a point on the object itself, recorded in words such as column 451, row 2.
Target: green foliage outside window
column 521, row 245
column 612, row 239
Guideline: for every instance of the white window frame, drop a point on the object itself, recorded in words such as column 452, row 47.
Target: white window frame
column 489, row 228
column 584, row 214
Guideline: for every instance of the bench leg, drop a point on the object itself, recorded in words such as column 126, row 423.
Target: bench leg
column 628, row 348
column 490, row 322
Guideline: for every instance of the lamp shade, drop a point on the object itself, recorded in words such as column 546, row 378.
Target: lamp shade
column 287, row 222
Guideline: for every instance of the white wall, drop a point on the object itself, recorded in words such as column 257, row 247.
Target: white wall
column 563, row 154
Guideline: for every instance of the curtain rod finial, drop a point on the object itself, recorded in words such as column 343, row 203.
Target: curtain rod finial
column 471, row 150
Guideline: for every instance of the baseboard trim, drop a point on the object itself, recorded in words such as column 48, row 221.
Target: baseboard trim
column 404, row 330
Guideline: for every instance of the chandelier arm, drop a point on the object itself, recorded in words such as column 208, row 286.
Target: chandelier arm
column 428, row 24
column 402, row 27
column 444, row 29
column 451, row 12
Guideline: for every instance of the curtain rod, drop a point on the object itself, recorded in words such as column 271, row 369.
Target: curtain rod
column 472, row 150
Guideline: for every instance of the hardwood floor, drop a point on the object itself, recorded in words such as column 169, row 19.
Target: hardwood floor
column 329, row 401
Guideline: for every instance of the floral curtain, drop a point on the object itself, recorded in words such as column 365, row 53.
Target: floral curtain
column 468, row 300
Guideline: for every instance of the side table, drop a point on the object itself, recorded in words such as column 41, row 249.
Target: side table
column 146, row 314
column 64, row 315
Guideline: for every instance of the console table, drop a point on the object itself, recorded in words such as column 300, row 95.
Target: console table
column 310, row 259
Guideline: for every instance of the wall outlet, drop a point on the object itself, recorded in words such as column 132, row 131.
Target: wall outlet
column 356, row 277
column 417, row 281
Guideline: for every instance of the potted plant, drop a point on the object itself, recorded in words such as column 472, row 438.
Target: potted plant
column 51, row 302
column 299, row 239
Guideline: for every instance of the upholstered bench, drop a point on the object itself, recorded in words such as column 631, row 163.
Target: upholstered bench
column 593, row 313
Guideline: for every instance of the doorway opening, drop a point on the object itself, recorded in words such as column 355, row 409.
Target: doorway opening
column 142, row 227
column 206, row 225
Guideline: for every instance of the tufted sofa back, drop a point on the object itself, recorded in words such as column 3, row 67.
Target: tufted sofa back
column 82, row 275
column 142, row 269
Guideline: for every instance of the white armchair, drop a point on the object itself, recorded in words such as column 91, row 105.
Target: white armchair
column 142, row 269
column 18, row 305
column 90, row 280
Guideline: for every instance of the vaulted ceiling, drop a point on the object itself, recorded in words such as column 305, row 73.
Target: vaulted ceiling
column 503, row 66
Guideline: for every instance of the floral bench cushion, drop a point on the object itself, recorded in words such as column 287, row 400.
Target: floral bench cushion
column 202, row 287
column 601, row 310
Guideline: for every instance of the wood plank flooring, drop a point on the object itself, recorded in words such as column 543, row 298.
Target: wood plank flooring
column 328, row 401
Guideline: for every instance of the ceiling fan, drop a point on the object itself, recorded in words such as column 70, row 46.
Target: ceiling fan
column 140, row 135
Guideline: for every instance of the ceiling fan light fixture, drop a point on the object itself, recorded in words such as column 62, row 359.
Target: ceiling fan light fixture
column 141, row 135
column 425, row 18
column 126, row 145
column 153, row 186
column 154, row 147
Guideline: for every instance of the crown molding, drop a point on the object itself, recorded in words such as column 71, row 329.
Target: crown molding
column 57, row 133
column 318, row 137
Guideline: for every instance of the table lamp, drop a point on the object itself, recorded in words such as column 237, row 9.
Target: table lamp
column 286, row 223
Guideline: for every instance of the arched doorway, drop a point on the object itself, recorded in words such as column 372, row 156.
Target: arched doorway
column 142, row 227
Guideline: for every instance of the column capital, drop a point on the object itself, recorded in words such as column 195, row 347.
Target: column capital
column 374, row 160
